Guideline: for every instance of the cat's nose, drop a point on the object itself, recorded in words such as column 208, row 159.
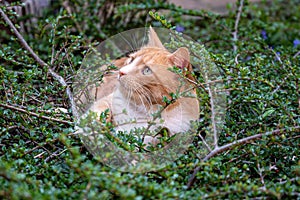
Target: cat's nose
column 121, row 73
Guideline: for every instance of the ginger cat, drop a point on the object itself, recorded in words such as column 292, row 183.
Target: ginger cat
column 137, row 92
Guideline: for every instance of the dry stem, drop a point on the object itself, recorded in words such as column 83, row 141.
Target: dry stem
column 229, row 146
column 34, row 114
column 56, row 76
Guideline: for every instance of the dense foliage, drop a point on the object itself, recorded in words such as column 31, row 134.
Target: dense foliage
column 257, row 50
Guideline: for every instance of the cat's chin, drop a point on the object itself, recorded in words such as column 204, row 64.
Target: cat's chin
column 122, row 90
column 123, row 86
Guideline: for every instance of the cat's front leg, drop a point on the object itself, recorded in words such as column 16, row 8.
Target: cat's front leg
column 149, row 140
column 88, row 129
column 101, row 106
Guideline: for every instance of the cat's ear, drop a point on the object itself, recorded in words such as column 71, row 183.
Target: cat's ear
column 154, row 40
column 181, row 58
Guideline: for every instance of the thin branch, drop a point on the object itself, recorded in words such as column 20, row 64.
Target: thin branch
column 240, row 142
column 229, row 79
column 34, row 114
column 31, row 150
column 56, row 76
column 277, row 56
column 87, row 189
column 54, row 154
column 236, row 59
column 235, row 39
column 8, row 129
column 236, row 25
column 260, row 172
column 282, row 82
column 205, row 143
column 285, row 78
column 213, row 116
column 39, row 155
column 297, row 54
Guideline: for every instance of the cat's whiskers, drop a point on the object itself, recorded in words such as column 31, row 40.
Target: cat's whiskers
column 142, row 107
column 148, row 94
column 131, row 95
column 141, row 95
column 138, row 90
column 128, row 96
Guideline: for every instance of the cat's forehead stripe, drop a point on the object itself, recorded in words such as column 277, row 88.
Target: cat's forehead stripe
column 132, row 65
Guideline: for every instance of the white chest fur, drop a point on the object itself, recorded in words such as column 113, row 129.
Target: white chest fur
column 127, row 115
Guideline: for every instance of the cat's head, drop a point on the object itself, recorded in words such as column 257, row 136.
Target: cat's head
column 146, row 76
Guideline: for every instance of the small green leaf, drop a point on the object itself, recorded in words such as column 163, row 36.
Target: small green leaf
column 268, row 113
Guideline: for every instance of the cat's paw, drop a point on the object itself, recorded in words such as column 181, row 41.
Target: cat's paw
column 149, row 140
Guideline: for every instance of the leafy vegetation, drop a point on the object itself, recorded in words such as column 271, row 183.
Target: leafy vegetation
column 255, row 47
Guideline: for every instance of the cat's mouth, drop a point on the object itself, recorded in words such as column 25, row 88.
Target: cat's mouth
column 119, row 76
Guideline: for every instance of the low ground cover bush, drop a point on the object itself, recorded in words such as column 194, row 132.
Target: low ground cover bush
column 256, row 49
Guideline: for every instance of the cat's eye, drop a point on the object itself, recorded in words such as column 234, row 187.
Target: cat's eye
column 129, row 60
column 147, row 70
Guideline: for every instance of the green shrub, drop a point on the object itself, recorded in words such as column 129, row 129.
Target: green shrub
column 41, row 158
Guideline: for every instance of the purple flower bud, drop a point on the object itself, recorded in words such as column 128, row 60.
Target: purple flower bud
column 179, row 28
column 296, row 42
column 264, row 34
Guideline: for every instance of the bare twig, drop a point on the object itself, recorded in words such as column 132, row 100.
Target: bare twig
column 236, row 59
column 205, row 143
column 297, row 54
column 87, row 189
column 235, row 39
column 31, row 150
column 285, row 78
column 56, row 76
column 54, row 154
column 213, row 115
column 282, row 82
column 277, row 56
column 236, row 25
column 260, row 172
column 34, row 114
column 39, row 155
column 229, row 146
column 8, row 129
column 229, row 79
